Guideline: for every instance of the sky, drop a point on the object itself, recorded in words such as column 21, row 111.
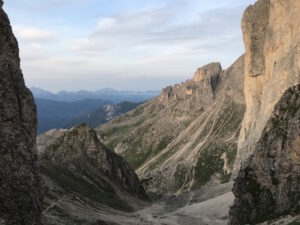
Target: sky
column 123, row 44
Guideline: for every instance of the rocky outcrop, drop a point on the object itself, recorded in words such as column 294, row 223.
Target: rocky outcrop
column 80, row 147
column 19, row 177
column 182, row 139
column 203, row 85
column 272, row 64
column 86, row 182
column 208, row 71
column 209, row 75
column 267, row 186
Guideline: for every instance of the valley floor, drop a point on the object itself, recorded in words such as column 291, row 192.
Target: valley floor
column 205, row 206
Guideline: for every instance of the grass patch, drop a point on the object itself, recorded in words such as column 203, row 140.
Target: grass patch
column 225, row 178
column 207, row 165
column 110, row 131
column 295, row 223
column 180, row 175
column 161, row 146
column 136, row 157
column 231, row 153
column 154, row 197
column 138, row 111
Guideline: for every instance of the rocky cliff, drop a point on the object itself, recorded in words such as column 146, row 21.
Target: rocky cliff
column 188, row 135
column 19, row 178
column 267, row 186
column 272, row 64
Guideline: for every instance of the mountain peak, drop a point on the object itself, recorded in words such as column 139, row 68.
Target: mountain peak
column 75, row 146
column 208, row 71
column 203, row 83
column 82, row 127
column 80, row 147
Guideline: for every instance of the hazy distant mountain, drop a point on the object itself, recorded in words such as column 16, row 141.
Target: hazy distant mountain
column 109, row 94
column 103, row 114
column 55, row 114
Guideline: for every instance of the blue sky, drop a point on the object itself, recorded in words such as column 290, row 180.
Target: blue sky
column 123, row 44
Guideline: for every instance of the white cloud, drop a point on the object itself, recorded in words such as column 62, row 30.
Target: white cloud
column 106, row 23
column 148, row 35
column 33, row 34
column 165, row 41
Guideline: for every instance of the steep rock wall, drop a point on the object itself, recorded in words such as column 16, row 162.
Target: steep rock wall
column 19, row 180
column 267, row 186
column 272, row 64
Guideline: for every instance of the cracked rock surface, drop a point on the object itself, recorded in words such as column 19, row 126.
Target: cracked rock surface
column 19, row 178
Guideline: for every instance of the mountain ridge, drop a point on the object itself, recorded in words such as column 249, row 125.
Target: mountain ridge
column 56, row 114
column 102, row 115
column 78, row 166
column 170, row 125
column 107, row 94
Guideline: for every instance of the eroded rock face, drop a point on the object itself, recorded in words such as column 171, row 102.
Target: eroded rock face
column 208, row 71
column 209, row 75
column 267, row 186
column 19, row 180
column 272, row 64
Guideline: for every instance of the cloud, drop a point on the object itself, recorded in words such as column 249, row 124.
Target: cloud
column 33, row 34
column 157, row 30
column 167, row 39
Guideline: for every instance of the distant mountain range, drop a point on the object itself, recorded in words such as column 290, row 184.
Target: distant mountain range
column 56, row 114
column 102, row 115
column 67, row 109
column 109, row 94
column 94, row 112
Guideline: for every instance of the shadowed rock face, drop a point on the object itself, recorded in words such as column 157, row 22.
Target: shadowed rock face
column 267, row 186
column 81, row 148
column 19, row 180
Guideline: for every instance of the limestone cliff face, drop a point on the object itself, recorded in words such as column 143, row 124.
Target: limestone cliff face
column 209, row 75
column 19, row 180
column 272, row 64
column 267, row 186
